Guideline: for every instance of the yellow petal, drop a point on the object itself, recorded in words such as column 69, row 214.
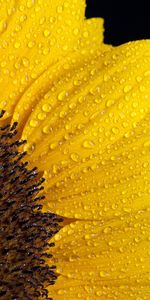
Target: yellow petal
column 110, row 260
column 89, row 134
column 44, row 90
column 34, row 35
column 92, row 33
column 66, row 289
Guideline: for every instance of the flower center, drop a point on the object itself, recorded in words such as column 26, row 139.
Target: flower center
column 26, row 270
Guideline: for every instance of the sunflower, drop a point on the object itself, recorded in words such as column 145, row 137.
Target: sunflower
column 75, row 112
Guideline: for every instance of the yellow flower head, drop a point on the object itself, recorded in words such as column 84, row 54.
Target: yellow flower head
column 84, row 109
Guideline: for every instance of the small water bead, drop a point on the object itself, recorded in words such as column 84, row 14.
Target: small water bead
column 46, row 32
column 60, row 8
column 3, row 64
column 17, row 45
column 127, row 88
column 61, row 292
column 46, row 107
column 76, row 31
column 46, row 51
column 31, row 44
column 139, row 78
column 88, row 144
column 142, row 88
column 33, row 75
column 135, row 104
column 33, row 123
column 77, row 82
column 107, row 230
column 42, row 20
column 74, row 157
column 103, row 274
column 30, row 3
column 46, row 129
column 85, row 34
column 147, row 144
column 62, row 95
column 23, row 18
column 17, row 65
column 52, row 146
column 21, row 8
column 133, row 114
column 125, row 124
column 62, row 114
column 115, row 130
column 3, row 25
column 18, row 28
column 25, row 62
column 110, row 103
column 29, row 148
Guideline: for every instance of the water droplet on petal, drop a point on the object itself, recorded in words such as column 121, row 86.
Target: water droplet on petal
column 76, row 31
column 74, row 157
column 139, row 78
column 147, row 144
column 46, row 32
column 3, row 26
column 46, row 107
column 31, row 44
column 115, row 130
column 127, row 88
column 33, row 123
column 41, row 116
column 88, row 144
column 17, row 45
column 61, row 95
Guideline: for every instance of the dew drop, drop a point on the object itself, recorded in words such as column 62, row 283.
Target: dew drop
column 3, row 64
column 3, row 26
column 99, row 293
column 30, row 3
column 147, row 144
column 25, row 62
column 33, row 123
column 42, row 20
column 139, row 78
column 85, row 34
column 41, row 116
column 46, row 51
column 127, row 88
column 135, row 104
column 46, row 32
column 59, row 9
column 103, row 274
column 45, row 129
column 88, row 144
column 77, row 82
column 60, row 292
column 74, row 157
column 46, row 107
column 17, row 45
column 115, row 130
column 53, row 146
column 61, row 95
column 31, row 44
column 107, row 230
column 23, row 18
column 76, row 31
column 109, row 103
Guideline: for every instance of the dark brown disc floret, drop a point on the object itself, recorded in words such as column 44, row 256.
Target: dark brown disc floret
column 25, row 230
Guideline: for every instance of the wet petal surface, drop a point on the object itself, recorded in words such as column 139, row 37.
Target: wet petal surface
column 34, row 35
column 107, row 260
column 91, row 138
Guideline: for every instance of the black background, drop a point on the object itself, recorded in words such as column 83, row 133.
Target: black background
column 124, row 21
